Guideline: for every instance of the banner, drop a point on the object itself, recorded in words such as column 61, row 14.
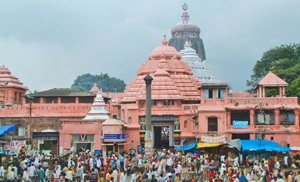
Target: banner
column 14, row 145
column 240, row 124
column 213, row 139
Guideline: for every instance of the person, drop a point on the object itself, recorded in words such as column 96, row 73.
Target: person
column 243, row 178
column 290, row 177
column 47, row 174
column 279, row 179
column 153, row 179
column 41, row 174
column 115, row 173
column 79, row 173
column 161, row 178
column 133, row 177
column 32, row 172
column 170, row 179
column 11, row 176
column 25, row 177
column 69, row 175
column 123, row 177
column 235, row 179
column 298, row 176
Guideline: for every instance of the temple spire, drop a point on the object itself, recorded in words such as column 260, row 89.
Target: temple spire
column 185, row 15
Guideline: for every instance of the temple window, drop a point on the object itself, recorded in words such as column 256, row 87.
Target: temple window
column 242, row 115
column 208, row 93
column 50, row 100
column 86, row 100
column 68, row 100
column 220, row 93
column 213, row 124
column 173, row 102
column 185, row 124
column 287, row 117
column 264, row 117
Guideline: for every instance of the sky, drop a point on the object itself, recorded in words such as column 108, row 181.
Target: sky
column 48, row 43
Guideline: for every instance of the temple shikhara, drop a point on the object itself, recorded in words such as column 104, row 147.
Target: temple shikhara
column 189, row 104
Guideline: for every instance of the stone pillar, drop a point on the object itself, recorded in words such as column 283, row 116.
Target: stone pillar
column 283, row 91
column 252, row 116
column 228, row 116
column 277, row 112
column 148, row 79
column 77, row 100
column 41, row 100
column 264, row 91
column 148, row 135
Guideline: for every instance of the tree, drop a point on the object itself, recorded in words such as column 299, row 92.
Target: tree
column 108, row 84
column 284, row 61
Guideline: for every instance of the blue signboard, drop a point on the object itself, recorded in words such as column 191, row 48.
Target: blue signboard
column 116, row 136
column 240, row 124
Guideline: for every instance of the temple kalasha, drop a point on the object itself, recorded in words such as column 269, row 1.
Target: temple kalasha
column 189, row 103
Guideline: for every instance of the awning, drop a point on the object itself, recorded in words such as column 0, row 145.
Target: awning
column 189, row 147
column 236, row 143
column 208, row 145
column 264, row 145
column 295, row 148
column 5, row 129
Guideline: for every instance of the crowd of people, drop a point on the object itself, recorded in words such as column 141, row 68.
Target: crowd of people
column 157, row 166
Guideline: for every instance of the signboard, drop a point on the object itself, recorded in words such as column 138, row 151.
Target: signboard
column 177, row 147
column 115, row 137
column 240, row 124
column 14, row 145
column 45, row 135
column 213, row 139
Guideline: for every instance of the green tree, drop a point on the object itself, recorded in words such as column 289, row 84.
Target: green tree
column 284, row 61
column 108, row 84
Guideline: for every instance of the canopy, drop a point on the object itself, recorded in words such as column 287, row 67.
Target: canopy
column 207, row 145
column 236, row 143
column 295, row 148
column 5, row 129
column 266, row 145
column 189, row 147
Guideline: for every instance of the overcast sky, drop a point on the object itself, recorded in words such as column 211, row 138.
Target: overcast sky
column 48, row 43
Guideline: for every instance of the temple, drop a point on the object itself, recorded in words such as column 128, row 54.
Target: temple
column 200, row 69
column 188, row 104
column 11, row 89
column 185, row 30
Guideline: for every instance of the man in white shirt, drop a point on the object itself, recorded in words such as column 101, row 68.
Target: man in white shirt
column 32, row 171
column 11, row 176
column 169, row 164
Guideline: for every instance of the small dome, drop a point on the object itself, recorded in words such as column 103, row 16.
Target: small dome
column 95, row 89
column 4, row 70
column 164, row 52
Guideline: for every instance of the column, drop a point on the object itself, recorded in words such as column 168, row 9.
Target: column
column 228, row 116
column 252, row 114
column 264, row 91
column 277, row 112
column 297, row 117
column 148, row 134
column 283, row 91
column 59, row 100
column 41, row 100
column 280, row 91
column 77, row 100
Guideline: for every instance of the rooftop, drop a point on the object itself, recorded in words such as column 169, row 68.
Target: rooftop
column 272, row 80
column 64, row 92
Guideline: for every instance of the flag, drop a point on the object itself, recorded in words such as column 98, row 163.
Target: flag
column 102, row 75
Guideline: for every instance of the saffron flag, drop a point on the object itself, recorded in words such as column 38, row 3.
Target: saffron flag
column 102, row 75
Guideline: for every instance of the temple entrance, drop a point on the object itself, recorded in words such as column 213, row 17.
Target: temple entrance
column 82, row 147
column 161, row 137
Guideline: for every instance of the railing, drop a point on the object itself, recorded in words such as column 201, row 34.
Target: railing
column 265, row 100
column 81, row 122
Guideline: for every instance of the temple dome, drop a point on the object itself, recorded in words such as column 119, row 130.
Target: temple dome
column 95, row 89
column 172, row 78
column 164, row 52
column 9, row 80
column 185, row 28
